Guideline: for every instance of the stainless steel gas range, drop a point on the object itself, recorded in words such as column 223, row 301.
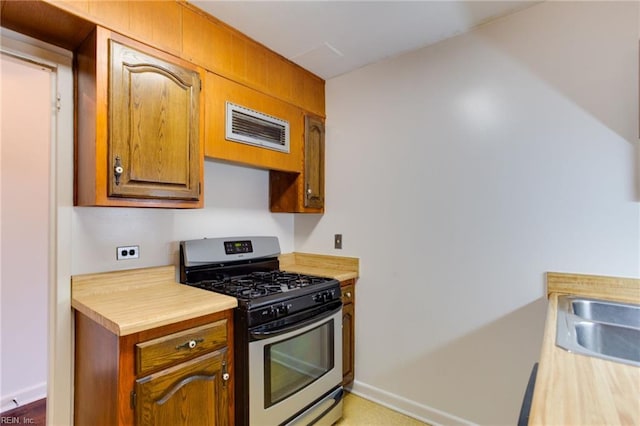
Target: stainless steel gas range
column 288, row 330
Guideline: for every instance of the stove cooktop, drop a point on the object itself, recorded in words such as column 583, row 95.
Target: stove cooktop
column 261, row 284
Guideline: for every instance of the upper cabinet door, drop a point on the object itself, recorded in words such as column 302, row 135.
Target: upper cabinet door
column 139, row 125
column 314, row 162
column 153, row 127
column 302, row 192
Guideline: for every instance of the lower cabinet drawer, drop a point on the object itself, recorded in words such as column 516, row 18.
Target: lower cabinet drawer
column 163, row 351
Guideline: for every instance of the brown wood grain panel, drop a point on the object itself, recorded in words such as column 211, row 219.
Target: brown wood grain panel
column 348, row 344
column 158, row 23
column 33, row 413
column 157, row 353
column 105, row 368
column 178, row 395
column 160, row 100
column 284, row 191
column 348, row 290
column 279, row 76
column 225, row 51
column 80, row 6
column 616, row 288
column 95, row 373
column 46, row 22
column 94, row 167
column 257, row 65
column 201, row 42
column 312, row 96
column 313, row 163
column 175, row 27
column 89, row 122
column 302, row 193
column 219, row 90
column 112, row 14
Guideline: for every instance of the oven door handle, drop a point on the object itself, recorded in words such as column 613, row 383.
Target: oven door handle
column 259, row 335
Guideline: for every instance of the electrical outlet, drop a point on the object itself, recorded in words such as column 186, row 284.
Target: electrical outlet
column 337, row 241
column 128, row 252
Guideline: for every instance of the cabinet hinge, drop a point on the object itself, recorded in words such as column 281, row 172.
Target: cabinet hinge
column 133, row 399
column 200, row 85
column 58, row 104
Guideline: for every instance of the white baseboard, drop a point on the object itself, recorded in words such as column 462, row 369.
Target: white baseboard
column 23, row 397
column 406, row 406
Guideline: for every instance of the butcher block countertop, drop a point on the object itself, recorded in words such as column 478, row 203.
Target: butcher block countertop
column 322, row 265
column 134, row 300
column 573, row 389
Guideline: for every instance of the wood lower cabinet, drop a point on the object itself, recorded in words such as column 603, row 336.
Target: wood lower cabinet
column 138, row 125
column 348, row 331
column 193, row 392
column 302, row 192
column 179, row 374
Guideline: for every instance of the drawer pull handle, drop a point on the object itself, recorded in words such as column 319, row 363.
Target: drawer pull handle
column 190, row 344
column 348, row 294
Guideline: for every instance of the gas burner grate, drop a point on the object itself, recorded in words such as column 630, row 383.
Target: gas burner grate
column 259, row 284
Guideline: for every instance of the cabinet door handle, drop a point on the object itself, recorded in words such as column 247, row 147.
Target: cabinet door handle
column 348, row 294
column 190, row 344
column 118, row 170
column 225, row 374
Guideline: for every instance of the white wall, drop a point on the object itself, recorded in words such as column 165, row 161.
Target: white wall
column 24, row 144
column 236, row 204
column 459, row 174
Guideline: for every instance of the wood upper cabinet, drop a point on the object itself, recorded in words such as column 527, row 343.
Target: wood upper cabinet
column 179, row 374
column 302, row 192
column 219, row 91
column 313, row 163
column 139, row 127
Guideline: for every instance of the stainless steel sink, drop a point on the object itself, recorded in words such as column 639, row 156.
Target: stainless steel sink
column 604, row 311
column 599, row 328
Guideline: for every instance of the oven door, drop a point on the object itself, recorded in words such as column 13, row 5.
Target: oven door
column 291, row 367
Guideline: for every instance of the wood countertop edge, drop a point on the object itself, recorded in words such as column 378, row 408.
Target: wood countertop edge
column 621, row 289
column 574, row 389
column 125, row 303
column 339, row 267
column 123, row 325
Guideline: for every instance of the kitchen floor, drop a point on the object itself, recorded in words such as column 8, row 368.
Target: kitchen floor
column 362, row 412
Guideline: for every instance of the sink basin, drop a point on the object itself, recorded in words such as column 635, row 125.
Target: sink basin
column 599, row 328
column 610, row 340
column 609, row 312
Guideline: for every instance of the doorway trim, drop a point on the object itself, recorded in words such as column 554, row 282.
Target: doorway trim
column 60, row 332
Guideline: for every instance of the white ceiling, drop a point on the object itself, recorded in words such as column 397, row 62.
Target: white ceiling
column 330, row 38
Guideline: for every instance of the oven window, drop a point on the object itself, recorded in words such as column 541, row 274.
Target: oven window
column 293, row 364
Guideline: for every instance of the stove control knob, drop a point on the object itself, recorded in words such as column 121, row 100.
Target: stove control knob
column 282, row 310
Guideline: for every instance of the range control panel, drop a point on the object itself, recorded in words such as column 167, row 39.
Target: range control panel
column 238, row 247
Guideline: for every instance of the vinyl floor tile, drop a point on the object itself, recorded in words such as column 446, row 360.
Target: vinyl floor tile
column 358, row 411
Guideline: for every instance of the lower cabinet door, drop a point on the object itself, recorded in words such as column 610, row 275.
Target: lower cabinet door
column 348, row 360
column 192, row 393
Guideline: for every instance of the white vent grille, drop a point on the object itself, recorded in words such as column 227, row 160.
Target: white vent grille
column 255, row 128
